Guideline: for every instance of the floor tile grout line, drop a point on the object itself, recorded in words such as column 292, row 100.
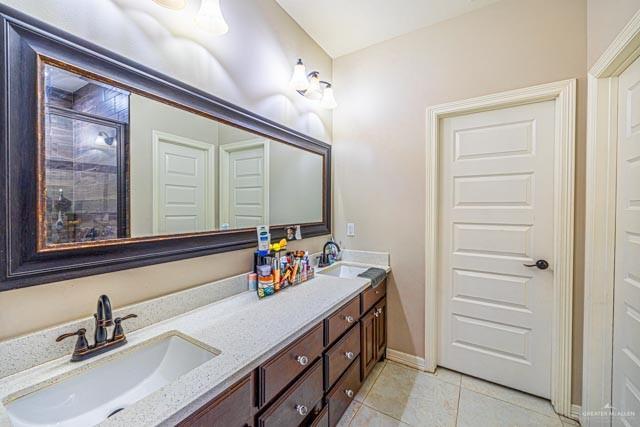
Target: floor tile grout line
column 375, row 380
column 459, row 398
column 510, row 402
column 382, row 412
column 514, row 404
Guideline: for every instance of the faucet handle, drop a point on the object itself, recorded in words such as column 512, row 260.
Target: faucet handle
column 118, row 332
column 81, row 343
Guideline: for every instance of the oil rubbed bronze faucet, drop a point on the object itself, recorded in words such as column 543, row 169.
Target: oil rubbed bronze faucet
column 325, row 258
column 102, row 343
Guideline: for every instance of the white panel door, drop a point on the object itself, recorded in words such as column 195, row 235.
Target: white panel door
column 626, row 332
column 496, row 214
column 247, row 188
column 181, row 194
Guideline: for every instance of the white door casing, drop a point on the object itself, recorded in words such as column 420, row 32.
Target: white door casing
column 563, row 95
column 600, row 239
column 626, row 325
column 244, row 184
column 496, row 214
column 183, row 184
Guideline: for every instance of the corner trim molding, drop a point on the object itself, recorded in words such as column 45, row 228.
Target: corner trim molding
column 406, row 359
column 602, row 141
column 563, row 93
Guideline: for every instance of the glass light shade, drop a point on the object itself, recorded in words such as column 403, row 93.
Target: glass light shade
column 172, row 4
column 313, row 91
column 328, row 101
column 210, row 18
column 299, row 79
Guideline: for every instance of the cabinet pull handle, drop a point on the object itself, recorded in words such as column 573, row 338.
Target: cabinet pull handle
column 349, row 393
column 349, row 319
column 349, row 355
column 302, row 410
column 303, row 360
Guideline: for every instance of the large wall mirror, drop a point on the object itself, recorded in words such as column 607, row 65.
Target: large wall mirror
column 120, row 165
column 110, row 165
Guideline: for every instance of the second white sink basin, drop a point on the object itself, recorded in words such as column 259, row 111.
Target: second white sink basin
column 344, row 270
column 92, row 396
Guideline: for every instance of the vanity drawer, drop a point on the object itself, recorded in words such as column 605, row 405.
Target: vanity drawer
column 296, row 404
column 341, row 355
column 275, row 374
column 342, row 320
column 322, row 419
column 373, row 295
column 340, row 397
column 234, row 408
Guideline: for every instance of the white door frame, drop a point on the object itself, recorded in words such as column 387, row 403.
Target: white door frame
column 602, row 142
column 225, row 151
column 564, row 95
column 210, row 178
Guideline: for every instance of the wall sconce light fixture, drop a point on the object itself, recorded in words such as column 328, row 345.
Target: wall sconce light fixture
column 209, row 16
column 311, row 87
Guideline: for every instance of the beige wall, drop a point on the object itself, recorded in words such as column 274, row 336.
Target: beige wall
column 379, row 131
column 249, row 66
column 605, row 19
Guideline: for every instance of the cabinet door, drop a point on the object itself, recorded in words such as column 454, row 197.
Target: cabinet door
column 381, row 328
column 368, row 350
column 234, row 408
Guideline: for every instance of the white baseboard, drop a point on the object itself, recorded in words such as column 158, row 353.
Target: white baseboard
column 406, row 359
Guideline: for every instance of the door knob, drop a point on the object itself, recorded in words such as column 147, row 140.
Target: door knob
column 541, row 264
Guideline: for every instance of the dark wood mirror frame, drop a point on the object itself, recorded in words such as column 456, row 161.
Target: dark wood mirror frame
column 25, row 43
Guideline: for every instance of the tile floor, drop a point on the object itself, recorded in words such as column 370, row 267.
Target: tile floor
column 396, row 395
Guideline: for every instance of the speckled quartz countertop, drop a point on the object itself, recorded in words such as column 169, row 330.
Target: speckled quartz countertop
column 247, row 331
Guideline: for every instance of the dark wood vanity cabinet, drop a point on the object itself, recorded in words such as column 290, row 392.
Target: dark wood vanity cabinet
column 373, row 328
column 368, row 343
column 312, row 381
column 381, row 328
column 233, row 408
column 277, row 373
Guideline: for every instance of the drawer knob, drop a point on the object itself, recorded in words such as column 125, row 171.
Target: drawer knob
column 349, row 319
column 349, row 393
column 303, row 360
column 376, row 313
column 302, row 410
column 349, row 355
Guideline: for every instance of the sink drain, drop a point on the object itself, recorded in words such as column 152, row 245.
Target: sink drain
column 115, row 412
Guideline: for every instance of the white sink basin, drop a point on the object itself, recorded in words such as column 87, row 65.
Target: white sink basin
column 343, row 270
column 90, row 397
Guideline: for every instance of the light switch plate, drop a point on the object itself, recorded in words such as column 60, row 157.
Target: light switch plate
column 351, row 229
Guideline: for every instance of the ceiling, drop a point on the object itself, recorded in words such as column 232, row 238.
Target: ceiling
column 344, row 26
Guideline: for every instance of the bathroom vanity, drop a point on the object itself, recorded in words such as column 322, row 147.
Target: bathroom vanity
column 313, row 380
column 296, row 358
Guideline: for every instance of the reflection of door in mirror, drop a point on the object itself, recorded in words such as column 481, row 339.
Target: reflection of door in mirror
column 244, row 190
column 85, row 145
column 183, row 184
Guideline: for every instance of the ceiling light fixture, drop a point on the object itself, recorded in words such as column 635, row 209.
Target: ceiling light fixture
column 210, row 18
column 310, row 86
column 172, row 4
